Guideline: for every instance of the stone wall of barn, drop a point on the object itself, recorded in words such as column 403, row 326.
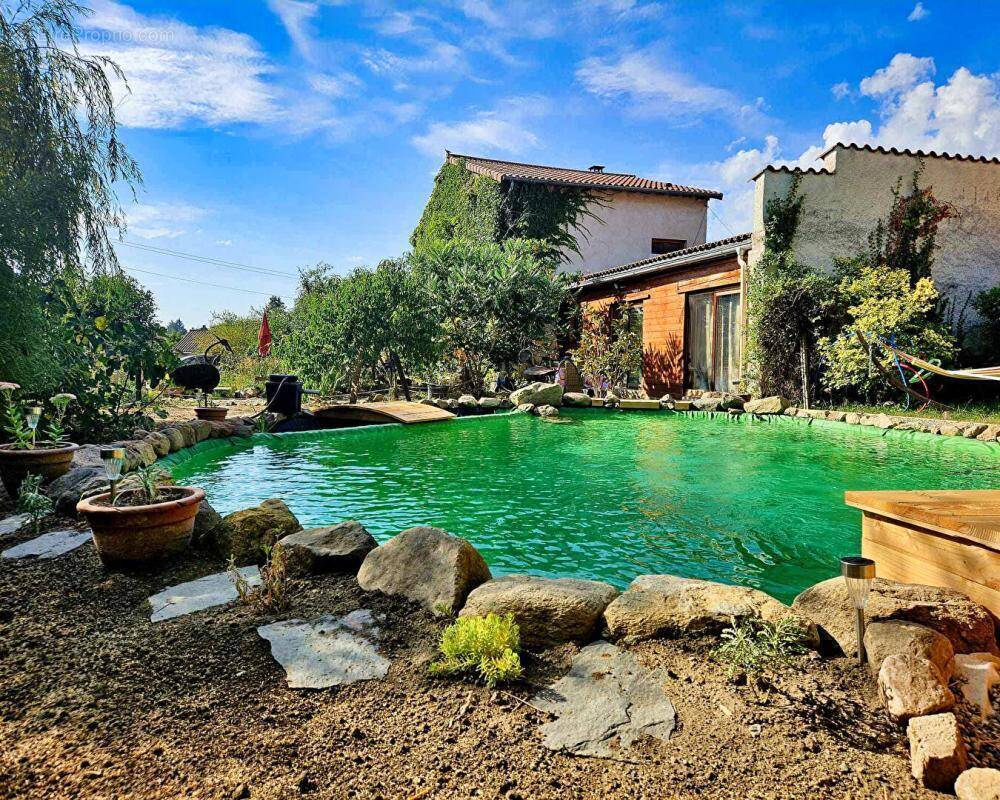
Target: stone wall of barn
column 853, row 190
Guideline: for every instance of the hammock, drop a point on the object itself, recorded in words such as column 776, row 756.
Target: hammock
column 981, row 374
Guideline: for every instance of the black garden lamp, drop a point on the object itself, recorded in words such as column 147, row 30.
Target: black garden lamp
column 858, row 573
column 114, row 460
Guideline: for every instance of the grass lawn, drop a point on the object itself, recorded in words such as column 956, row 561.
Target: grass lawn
column 970, row 412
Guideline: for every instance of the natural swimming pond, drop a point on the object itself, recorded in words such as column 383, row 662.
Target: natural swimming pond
column 608, row 496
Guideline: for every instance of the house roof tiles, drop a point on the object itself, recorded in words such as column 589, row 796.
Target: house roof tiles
column 582, row 178
column 720, row 248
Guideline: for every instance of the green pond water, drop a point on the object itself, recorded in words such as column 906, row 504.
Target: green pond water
column 608, row 496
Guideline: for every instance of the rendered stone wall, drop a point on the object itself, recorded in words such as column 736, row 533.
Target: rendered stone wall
column 630, row 222
column 853, row 190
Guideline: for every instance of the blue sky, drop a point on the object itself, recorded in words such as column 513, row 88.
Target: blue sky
column 281, row 133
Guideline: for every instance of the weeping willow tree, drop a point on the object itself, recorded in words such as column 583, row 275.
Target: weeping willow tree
column 60, row 159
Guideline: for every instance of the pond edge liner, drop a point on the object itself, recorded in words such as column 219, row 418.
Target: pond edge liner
column 235, row 443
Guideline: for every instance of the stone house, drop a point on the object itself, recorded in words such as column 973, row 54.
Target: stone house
column 639, row 217
column 852, row 190
column 690, row 303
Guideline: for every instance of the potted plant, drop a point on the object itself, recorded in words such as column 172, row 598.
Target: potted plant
column 144, row 523
column 209, row 410
column 34, row 448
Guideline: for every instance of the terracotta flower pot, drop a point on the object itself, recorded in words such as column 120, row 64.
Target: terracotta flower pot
column 137, row 534
column 212, row 414
column 49, row 462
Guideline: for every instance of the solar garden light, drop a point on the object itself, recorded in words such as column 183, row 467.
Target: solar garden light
column 32, row 415
column 858, row 573
column 114, row 460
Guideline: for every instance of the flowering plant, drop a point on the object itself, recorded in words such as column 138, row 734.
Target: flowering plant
column 20, row 421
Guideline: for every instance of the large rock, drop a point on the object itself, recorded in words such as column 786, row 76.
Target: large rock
column 665, row 605
column 468, row 403
column 247, row 533
column 539, row 394
column 209, row 527
column 548, row 611
column 899, row 637
column 202, row 429
column 913, row 687
column 188, row 433
column 426, row 565
column 707, row 403
column 766, row 405
column 607, row 698
column 576, row 400
column 937, row 750
column 159, row 442
column 731, row 402
column 334, row 548
column 978, row 784
column 968, row 625
column 66, row 490
column 489, row 403
column 175, row 437
column 547, row 411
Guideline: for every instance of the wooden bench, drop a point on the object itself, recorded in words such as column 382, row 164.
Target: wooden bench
column 938, row 538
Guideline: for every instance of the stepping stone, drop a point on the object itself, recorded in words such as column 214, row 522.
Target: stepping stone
column 607, row 695
column 327, row 651
column 211, row 590
column 14, row 523
column 48, row 545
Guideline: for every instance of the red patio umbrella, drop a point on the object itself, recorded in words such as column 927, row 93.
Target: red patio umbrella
column 264, row 338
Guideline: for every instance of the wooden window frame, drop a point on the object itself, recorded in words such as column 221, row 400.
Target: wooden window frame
column 681, row 244
column 716, row 293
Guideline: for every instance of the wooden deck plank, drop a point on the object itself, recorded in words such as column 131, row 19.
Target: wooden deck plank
column 972, row 514
column 390, row 411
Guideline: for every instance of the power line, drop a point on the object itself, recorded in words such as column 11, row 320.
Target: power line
column 201, row 283
column 209, row 260
column 719, row 220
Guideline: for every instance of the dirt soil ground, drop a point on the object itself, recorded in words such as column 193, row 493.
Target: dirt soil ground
column 97, row 702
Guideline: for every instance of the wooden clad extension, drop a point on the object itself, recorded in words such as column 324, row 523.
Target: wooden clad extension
column 939, row 538
column 663, row 298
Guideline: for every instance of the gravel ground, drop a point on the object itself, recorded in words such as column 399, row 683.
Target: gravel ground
column 97, row 702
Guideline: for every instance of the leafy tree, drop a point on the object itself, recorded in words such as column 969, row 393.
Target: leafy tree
column 59, row 149
column 348, row 328
column 491, row 299
column 116, row 347
column 610, row 349
column 177, row 327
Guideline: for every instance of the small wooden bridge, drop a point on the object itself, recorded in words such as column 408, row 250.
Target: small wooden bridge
column 381, row 413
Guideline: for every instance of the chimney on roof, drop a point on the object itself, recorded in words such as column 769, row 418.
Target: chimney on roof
column 596, row 168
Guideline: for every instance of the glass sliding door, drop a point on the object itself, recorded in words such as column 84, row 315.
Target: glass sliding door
column 699, row 341
column 713, row 340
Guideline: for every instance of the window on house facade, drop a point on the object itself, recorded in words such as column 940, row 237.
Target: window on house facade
column 661, row 246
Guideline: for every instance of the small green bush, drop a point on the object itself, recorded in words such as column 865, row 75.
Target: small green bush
column 486, row 647
column 753, row 647
column 987, row 305
column 30, row 500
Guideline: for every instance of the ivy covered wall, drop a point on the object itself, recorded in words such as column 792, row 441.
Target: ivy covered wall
column 469, row 206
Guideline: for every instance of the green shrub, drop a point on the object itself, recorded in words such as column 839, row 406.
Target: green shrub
column 753, row 647
column 30, row 500
column 486, row 647
column 877, row 300
column 987, row 305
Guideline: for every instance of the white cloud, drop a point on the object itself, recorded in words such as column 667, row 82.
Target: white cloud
column 161, row 220
column 841, row 90
column 339, row 84
column 654, row 89
column 297, row 16
column 903, row 72
column 224, row 242
column 918, row 13
column 960, row 115
column 501, row 130
column 178, row 73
